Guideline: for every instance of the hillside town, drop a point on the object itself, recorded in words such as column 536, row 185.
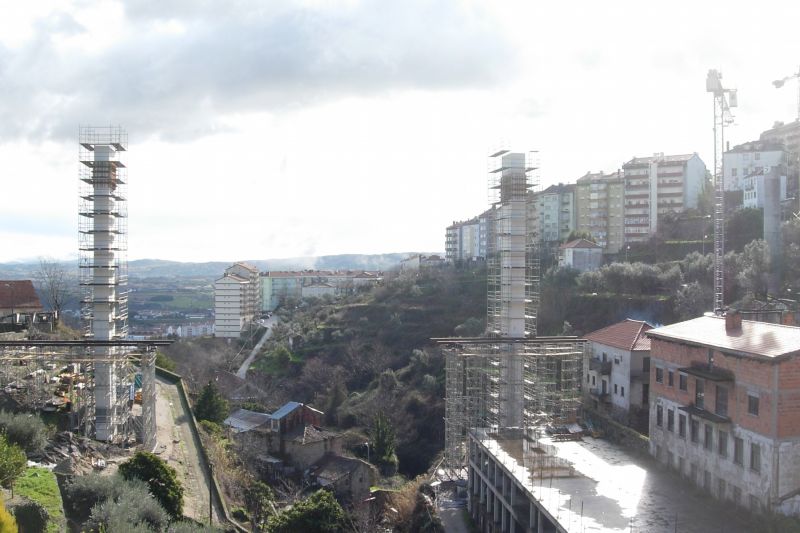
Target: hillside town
column 610, row 350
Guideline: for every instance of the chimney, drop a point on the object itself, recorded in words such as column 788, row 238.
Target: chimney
column 733, row 322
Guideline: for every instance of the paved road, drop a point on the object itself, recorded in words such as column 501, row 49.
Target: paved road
column 242, row 372
column 177, row 446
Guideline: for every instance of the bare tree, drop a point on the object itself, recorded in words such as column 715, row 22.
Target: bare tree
column 53, row 283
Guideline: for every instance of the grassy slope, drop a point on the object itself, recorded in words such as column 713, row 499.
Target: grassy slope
column 39, row 484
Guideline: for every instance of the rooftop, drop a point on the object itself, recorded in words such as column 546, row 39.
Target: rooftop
column 757, row 146
column 19, row 294
column 658, row 158
column 755, row 339
column 580, row 243
column 626, row 335
column 332, row 467
column 599, row 487
column 243, row 420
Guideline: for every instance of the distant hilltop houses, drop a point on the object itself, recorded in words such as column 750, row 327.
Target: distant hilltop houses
column 243, row 294
column 624, row 207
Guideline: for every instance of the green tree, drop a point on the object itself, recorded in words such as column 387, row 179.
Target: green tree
column 163, row 361
column 383, row 444
column 211, row 405
column 259, row 499
column 755, row 268
column 743, row 226
column 7, row 522
column 27, row 431
column 12, row 462
column 282, row 356
column 135, row 510
column 159, row 477
column 319, row 513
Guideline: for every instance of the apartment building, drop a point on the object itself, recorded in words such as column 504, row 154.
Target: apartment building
column 745, row 159
column 618, row 369
column 725, row 408
column 237, row 300
column 658, row 185
column 599, row 207
column 277, row 286
column 553, row 213
column 466, row 240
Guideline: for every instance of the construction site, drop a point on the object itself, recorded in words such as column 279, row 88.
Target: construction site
column 102, row 385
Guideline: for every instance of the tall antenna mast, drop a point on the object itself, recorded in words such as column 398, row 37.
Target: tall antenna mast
column 724, row 100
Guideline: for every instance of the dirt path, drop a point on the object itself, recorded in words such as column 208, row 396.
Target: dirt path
column 242, row 372
column 177, row 446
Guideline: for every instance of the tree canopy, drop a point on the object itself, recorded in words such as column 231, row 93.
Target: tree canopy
column 12, row 462
column 319, row 513
column 161, row 479
column 211, row 405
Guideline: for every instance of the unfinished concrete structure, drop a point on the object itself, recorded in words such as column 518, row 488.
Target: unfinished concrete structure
column 509, row 378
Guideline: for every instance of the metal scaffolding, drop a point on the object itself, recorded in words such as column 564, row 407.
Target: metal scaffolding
column 59, row 376
column 510, row 378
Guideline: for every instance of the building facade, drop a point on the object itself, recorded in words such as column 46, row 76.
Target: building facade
column 724, row 408
column 237, row 300
column 617, row 370
column 599, row 206
column 466, row 240
column 746, row 159
column 657, row 185
column 277, row 286
column 580, row 254
column 553, row 213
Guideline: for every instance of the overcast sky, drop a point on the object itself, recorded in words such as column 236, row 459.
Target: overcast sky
column 277, row 129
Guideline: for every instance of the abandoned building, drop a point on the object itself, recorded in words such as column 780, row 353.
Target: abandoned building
column 724, row 408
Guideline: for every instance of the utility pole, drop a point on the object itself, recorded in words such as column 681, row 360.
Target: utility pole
column 779, row 83
column 724, row 100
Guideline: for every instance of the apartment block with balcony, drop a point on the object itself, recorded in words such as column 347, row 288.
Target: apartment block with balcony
column 618, row 371
column 237, row 300
column 725, row 408
column 599, row 199
column 466, row 240
column 657, row 185
column 553, row 214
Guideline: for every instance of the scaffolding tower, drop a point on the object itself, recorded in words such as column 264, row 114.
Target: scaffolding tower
column 103, row 273
column 510, row 378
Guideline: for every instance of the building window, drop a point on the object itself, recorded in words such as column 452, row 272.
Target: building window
column 659, row 375
column 682, row 425
column 623, row 391
column 721, row 488
column 587, row 378
column 682, row 381
column 738, row 451
column 736, row 493
column 752, row 404
column 659, row 416
column 646, row 365
column 615, row 388
column 670, row 378
column 722, row 443
column 695, row 431
column 594, row 381
column 699, row 393
column 721, row 401
column 670, row 420
column 755, row 457
column 708, row 437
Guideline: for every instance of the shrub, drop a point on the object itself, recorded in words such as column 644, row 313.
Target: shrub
column 25, row 430
column 31, row 517
column 7, row 522
column 212, row 428
column 240, row 514
column 159, row 477
column 136, row 510
column 319, row 513
column 84, row 492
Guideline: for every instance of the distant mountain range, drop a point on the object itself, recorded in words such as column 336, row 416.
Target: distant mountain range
column 152, row 268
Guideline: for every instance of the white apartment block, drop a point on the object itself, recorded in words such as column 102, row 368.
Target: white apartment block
column 553, row 213
column 658, row 185
column 749, row 158
column 237, row 300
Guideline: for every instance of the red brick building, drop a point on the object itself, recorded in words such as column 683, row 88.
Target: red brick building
column 725, row 408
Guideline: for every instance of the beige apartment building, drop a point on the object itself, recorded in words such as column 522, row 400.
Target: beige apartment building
column 237, row 300
column 599, row 208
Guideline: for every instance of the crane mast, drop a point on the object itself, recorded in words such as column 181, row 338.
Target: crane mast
column 724, row 100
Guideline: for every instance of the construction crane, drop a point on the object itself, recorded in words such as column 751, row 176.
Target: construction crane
column 780, row 83
column 724, row 100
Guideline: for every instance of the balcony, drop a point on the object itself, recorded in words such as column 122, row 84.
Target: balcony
column 602, row 367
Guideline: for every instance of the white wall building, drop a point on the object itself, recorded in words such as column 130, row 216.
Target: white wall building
column 749, row 158
column 581, row 254
column 237, row 300
column 554, row 215
column 466, row 240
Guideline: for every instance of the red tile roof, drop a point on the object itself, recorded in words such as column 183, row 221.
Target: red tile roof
column 756, row 339
column 626, row 335
column 20, row 295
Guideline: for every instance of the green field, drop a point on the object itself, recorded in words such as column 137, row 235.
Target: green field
column 39, row 485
